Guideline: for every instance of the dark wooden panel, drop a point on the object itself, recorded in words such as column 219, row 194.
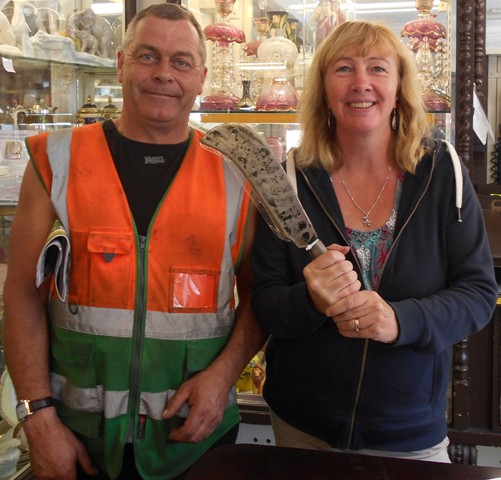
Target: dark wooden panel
column 252, row 462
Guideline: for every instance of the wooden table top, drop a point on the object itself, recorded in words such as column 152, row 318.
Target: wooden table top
column 260, row 462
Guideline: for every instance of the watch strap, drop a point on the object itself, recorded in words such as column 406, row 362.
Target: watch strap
column 25, row 408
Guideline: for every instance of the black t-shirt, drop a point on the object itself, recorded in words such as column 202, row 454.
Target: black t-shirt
column 146, row 170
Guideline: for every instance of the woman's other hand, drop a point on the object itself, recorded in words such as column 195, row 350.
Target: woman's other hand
column 365, row 314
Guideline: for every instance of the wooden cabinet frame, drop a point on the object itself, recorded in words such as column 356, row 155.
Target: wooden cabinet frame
column 475, row 417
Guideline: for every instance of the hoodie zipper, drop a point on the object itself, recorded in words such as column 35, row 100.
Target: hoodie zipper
column 343, row 235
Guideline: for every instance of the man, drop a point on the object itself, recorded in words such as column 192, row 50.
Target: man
column 135, row 369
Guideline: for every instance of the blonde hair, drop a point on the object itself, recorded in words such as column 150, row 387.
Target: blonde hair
column 319, row 145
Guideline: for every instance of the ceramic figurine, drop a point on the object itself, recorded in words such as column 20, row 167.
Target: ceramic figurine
column 7, row 36
column 21, row 29
column 95, row 25
column 88, row 42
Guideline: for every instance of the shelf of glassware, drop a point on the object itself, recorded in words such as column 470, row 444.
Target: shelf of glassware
column 251, row 117
column 46, row 91
column 282, row 130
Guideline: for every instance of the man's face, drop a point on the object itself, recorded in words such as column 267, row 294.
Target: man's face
column 161, row 73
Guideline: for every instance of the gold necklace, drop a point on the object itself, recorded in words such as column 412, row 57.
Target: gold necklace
column 366, row 219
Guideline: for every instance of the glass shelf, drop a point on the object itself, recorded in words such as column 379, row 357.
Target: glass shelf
column 246, row 117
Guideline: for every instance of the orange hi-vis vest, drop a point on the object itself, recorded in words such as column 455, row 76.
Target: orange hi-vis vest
column 143, row 314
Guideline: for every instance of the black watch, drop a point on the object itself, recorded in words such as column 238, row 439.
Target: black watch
column 25, row 408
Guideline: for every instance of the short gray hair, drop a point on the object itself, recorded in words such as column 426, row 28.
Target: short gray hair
column 167, row 11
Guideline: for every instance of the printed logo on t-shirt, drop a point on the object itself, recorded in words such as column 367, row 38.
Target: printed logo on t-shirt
column 151, row 160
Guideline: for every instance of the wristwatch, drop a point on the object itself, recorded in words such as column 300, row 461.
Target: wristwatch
column 25, row 408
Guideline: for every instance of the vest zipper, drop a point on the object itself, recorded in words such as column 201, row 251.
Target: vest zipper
column 139, row 318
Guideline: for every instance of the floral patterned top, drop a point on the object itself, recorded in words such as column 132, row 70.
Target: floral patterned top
column 372, row 247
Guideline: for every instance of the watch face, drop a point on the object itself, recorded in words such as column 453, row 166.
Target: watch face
column 21, row 411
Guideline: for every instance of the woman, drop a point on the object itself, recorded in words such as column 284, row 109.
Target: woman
column 361, row 337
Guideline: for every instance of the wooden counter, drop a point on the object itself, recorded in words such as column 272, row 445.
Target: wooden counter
column 256, row 462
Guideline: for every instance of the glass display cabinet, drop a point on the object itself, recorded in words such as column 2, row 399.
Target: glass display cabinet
column 56, row 56
column 260, row 51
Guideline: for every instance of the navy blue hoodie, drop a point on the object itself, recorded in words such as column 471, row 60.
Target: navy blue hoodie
column 438, row 278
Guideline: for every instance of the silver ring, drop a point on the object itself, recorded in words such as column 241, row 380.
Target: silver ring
column 357, row 325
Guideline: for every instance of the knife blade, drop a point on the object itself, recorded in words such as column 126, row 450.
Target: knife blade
column 271, row 189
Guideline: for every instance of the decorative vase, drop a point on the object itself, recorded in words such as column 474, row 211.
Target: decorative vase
column 246, row 102
column 303, row 63
column 253, row 72
column 262, row 29
column 279, row 25
column 280, row 53
column 326, row 16
column 224, row 35
column 427, row 38
column 294, row 29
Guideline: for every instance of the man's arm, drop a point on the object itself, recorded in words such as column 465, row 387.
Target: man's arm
column 207, row 392
column 53, row 449
column 25, row 330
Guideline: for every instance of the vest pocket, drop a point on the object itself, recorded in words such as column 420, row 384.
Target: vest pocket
column 193, row 291
column 74, row 383
column 110, row 265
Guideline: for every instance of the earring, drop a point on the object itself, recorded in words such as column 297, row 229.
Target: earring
column 329, row 115
column 394, row 119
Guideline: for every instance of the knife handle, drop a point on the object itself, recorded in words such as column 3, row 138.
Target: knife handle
column 316, row 248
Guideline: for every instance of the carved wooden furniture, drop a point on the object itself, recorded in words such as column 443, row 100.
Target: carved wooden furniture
column 475, row 417
column 471, row 73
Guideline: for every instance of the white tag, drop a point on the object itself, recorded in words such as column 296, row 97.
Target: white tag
column 8, row 65
column 481, row 124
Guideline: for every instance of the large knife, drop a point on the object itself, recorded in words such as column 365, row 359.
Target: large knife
column 271, row 189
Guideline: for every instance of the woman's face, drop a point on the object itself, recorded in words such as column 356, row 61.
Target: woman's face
column 362, row 91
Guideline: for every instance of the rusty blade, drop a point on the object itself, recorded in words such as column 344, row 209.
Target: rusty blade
column 272, row 191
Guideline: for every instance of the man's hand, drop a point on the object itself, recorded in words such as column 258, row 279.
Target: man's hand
column 207, row 396
column 54, row 450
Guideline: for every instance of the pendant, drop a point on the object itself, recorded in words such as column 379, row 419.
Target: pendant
column 367, row 222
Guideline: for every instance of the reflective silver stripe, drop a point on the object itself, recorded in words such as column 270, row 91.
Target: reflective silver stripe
column 115, row 403
column 58, row 151
column 110, row 322
column 234, row 196
column 153, row 404
column 188, row 326
column 78, row 399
